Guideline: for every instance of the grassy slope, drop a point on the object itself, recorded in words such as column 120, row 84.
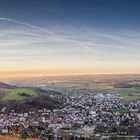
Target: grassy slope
column 12, row 94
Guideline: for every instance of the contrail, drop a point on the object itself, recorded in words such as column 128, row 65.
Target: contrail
column 84, row 46
column 27, row 25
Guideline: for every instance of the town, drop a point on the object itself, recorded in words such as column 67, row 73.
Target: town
column 86, row 114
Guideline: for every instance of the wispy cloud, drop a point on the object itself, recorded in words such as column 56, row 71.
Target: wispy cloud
column 38, row 43
column 27, row 25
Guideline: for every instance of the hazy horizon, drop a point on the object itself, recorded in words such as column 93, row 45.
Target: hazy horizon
column 66, row 76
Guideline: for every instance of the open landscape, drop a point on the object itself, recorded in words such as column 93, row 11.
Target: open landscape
column 127, row 86
column 69, row 69
column 101, row 105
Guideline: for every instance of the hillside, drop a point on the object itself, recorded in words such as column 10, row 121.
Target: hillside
column 3, row 85
column 23, row 99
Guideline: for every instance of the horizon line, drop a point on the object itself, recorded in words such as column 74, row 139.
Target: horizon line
column 67, row 75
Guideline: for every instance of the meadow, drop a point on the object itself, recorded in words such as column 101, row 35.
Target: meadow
column 16, row 93
column 127, row 93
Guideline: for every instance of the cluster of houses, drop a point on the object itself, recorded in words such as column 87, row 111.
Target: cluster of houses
column 88, row 114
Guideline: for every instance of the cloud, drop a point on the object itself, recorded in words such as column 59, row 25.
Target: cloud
column 27, row 25
column 70, row 39
column 85, row 46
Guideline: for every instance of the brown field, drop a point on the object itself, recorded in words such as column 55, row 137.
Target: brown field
column 15, row 138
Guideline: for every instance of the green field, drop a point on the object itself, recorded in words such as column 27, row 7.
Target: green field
column 127, row 93
column 66, row 84
column 121, row 110
column 13, row 94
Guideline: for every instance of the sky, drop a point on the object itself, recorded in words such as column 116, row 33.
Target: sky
column 68, row 37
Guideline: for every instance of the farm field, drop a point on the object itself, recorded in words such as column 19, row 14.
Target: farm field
column 66, row 84
column 127, row 93
column 121, row 110
column 15, row 138
column 16, row 93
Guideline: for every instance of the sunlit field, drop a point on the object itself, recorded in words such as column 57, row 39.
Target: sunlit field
column 15, row 138
column 14, row 94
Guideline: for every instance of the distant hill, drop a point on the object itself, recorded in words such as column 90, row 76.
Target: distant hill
column 3, row 85
column 122, row 85
column 125, row 85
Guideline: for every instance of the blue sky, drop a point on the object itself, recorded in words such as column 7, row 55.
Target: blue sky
column 70, row 36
